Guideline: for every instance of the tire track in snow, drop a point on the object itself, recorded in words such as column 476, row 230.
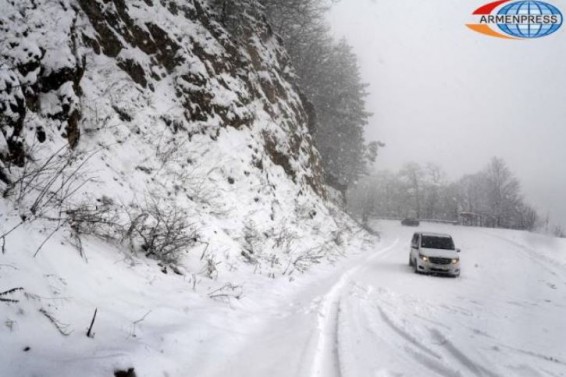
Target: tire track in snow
column 549, row 265
column 409, row 351
column 425, row 356
column 326, row 362
column 406, row 335
column 435, row 361
column 444, row 358
column 460, row 356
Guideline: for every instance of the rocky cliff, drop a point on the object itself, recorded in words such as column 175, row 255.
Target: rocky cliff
column 158, row 102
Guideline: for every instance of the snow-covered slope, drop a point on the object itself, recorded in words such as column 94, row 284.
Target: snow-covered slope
column 163, row 106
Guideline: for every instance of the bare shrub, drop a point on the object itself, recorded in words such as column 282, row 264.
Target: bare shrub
column 168, row 148
column 61, row 327
column 161, row 230
column 307, row 258
column 226, row 292
column 102, row 219
column 43, row 188
column 158, row 227
column 284, row 238
column 338, row 237
column 196, row 184
column 252, row 243
column 210, row 270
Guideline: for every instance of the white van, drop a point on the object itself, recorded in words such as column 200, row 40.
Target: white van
column 434, row 253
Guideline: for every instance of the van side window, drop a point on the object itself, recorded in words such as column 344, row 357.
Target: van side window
column 415, row 241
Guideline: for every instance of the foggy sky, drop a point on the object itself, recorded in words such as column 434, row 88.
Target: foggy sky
column 442, row 93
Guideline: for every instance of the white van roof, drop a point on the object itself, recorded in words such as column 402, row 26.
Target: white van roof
column 435, row 235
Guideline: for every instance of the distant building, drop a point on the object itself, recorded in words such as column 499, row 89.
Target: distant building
column 476, row 219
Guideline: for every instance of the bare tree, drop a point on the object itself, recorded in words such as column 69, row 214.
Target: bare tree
column 526, row 218
column 434, row 182
column 502, row 192
column 559, row 232
column 413, row 176
column 490, row 198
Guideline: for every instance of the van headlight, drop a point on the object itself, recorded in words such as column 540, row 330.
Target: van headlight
column 455, row 260
column 423, row 257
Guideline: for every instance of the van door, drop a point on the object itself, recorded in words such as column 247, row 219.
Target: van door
column 415, row 246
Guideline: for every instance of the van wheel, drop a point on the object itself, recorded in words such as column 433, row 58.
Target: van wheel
column 415, row 267
column 410, row 261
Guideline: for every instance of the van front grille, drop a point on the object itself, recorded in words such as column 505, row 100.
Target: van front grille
column 437, row 260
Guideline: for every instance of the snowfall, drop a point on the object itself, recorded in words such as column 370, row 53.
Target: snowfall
column 365, row 314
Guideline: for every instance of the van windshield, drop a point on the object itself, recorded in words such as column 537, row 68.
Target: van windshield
column 432, row 242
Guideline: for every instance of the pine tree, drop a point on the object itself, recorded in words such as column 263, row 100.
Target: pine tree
column 238, row 16
column 329, row 76
column 340, row 102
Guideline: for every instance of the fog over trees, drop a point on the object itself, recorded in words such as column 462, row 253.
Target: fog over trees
column 328, row 77
column 491, row 197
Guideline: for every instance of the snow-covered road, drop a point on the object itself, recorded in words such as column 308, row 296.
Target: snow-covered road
column 368, row 315
column 371, row 316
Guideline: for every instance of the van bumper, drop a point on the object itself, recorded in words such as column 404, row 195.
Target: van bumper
column 440, row 269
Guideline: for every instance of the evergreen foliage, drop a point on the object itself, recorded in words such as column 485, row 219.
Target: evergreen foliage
column 329, row 76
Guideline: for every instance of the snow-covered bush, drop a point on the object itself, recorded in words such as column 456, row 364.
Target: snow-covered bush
column 43, row 187
column 103, row 219
column 160, row 229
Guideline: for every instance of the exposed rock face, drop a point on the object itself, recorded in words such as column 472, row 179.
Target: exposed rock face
column 40, row 75
column 47, row 46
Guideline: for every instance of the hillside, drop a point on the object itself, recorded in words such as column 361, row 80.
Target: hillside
column 154, row 105
column 143, row 146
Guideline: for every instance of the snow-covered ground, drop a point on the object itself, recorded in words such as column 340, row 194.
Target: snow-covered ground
column 505, row 316
column 366, row 315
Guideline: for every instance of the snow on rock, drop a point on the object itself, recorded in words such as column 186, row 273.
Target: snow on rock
column 174, row 107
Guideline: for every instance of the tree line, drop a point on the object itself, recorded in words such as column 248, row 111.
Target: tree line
column 327, row 75
column 491, row 197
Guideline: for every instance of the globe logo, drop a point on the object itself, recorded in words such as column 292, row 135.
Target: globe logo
column 523, row 19
column 531, row 8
